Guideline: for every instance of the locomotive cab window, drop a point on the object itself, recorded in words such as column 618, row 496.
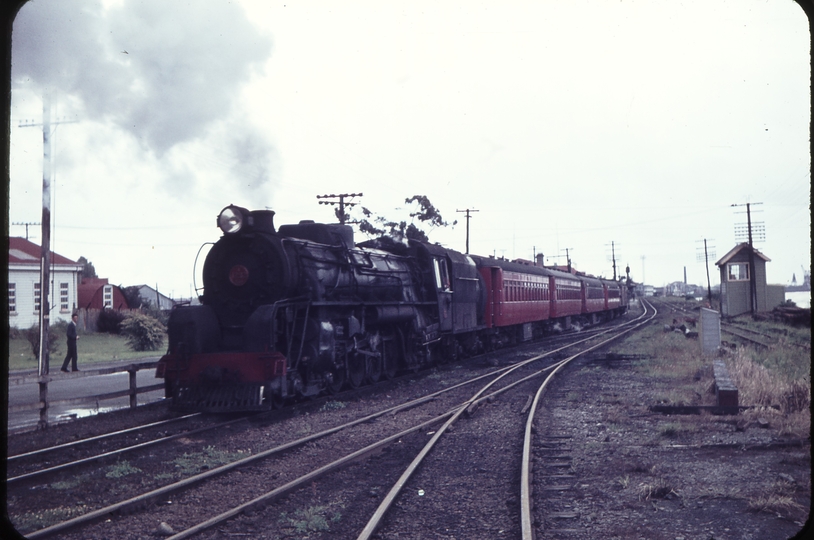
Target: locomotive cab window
column 441, row 274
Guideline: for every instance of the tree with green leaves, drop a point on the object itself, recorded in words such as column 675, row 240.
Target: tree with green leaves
column 88, row 271
column 422, row 211
column 133, row 298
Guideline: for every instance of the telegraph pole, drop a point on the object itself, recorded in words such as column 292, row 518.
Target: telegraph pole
column 26, row 226
column 613, row 258
column 45, row 257
column 468, row 210
column 761, row 230
column 567, row 257
column 706, row 263
column 341, row 202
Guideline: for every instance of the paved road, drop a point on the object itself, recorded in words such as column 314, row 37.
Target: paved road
column 74, row 385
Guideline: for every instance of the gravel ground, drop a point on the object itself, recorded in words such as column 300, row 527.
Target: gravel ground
column 605, row 467
column 637, row 474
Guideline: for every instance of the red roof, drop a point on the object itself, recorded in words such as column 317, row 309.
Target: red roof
column 21, row 251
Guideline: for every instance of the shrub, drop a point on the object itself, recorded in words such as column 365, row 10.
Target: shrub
column 33, row 336
column 143, row 332
column 161, row 316
column 110, row 321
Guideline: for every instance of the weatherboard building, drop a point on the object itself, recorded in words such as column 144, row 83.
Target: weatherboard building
column 738, row 273
column 25, row 292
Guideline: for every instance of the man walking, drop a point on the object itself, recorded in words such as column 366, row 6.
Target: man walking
column 72, row 337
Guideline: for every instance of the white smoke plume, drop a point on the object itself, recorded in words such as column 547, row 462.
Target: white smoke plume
column 166, row 72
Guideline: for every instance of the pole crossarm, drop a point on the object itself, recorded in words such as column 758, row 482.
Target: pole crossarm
column 341, row 202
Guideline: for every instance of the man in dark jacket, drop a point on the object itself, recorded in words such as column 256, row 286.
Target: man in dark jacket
column 72, row 337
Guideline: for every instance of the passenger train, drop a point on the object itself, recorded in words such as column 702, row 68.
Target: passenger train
column 302, row 310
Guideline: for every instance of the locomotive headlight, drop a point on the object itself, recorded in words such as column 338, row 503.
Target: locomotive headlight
column 231, row 219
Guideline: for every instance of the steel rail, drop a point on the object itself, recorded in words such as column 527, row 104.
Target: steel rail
column 97, row 457
column 307, row 478
column 190, row 481
column 375, row 520
column 98, row 437
column 526, row 524
column 359, row 454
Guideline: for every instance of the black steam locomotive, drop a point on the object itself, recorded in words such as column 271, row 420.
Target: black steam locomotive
column 303, row 310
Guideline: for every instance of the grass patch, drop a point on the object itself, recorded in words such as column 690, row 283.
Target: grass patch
column 774, row 504
column 777, row 380
column 658, row 489
column 312, row 519
column 33, row 521
column 121, row 469
column 92, row 348
column 209, row 458
column 333, row 406
column 773, row 389
column 672, row 430
column 66, row 484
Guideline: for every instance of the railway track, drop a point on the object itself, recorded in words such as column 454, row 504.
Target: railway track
column 406, row 424
column 43, row 463
column 747, row 335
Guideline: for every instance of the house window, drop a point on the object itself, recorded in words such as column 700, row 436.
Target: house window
column 12, row 297
column 738, row 272
column 63, row 297
column 107, row 299
column 37, row 297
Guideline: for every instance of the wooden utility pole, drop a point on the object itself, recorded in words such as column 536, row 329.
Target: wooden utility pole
column 341, row 202
column 45, row 256
column 707, row 255
column 26, row 224
column 752, row 277
column 467, row 211
column 613, row 258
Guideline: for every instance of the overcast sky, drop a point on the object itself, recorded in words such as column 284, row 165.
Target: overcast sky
column 567, row 125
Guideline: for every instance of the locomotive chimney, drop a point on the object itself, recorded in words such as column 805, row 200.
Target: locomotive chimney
column 263, row 220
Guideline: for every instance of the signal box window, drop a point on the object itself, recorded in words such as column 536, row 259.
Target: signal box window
column 12, row 298
column 738, row 272
column 107, row 300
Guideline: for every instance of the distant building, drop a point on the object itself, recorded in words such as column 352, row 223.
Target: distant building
column 24, row 291
column 804, row 286
column 151, row 297
column 644, row 290
column 97, row 293
column 737, row 275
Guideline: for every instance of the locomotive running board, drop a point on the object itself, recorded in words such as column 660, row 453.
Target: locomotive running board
column 233, row 398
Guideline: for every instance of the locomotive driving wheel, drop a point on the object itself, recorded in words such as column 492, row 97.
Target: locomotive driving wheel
column 335, row 380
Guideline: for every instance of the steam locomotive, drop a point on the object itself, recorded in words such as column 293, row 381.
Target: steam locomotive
column 301, row 310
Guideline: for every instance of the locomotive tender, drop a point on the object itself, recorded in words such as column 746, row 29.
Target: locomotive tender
column 303, row 310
